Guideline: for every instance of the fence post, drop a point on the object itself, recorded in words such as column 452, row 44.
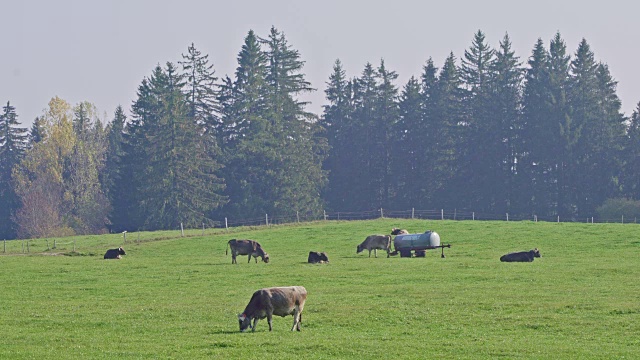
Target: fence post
column 381, row 214
column 202, row 228
column 298, row 216
column 507, row 216
column 28, row 246
column 441, row 214
column 124, row 235
column 226, row 224
column 325, row 214
column 558, row 218
column 473, row 215
column 181, row 230
column 54, row 244
column 412, row 212
column 5, row 246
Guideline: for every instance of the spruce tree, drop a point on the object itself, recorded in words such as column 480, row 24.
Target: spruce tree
column 13, row 143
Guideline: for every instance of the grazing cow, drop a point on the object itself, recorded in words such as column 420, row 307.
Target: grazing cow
column 114, row 253
column 317, row 257
column 524, row 256
column 375, row 242
column 246, row 247
column 280, row 301
column 396, row 231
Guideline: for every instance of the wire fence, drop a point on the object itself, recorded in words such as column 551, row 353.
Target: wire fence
column 87, row 244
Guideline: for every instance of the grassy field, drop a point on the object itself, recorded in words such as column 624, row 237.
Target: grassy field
column 178, row 298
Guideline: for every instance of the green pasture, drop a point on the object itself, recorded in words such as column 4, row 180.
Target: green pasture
column 174, row 297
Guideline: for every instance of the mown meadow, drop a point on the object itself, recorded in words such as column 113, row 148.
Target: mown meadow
column 174, row 297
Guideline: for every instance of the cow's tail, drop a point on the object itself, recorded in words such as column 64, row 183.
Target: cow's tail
column 226, row 251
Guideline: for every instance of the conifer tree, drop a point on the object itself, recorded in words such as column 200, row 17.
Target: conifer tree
column 13, row 143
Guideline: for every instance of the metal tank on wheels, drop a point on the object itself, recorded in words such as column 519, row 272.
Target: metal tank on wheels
column 418, row 243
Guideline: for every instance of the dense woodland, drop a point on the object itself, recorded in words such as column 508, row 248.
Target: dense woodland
column 486, row 131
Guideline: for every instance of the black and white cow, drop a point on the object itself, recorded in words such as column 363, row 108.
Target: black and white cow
column 317, row 257
column 279, row 301
column 114, row 253
column 523, row 256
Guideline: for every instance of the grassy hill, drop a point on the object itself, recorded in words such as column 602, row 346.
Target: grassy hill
column 178, row 297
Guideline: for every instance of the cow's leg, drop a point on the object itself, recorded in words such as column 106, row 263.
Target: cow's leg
column 255, row 258
column 296, row 323
column 233, row 258
column 375, row 252
column 269, row 316
column 249, row 258
column 255, row 322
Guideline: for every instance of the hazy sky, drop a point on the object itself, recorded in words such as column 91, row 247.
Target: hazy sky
column 100, row 51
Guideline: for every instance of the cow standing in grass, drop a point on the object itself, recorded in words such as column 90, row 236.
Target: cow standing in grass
column 114, row 253
column 246, row 247
column 280, row 301
column 524, row 256
column 375, row 242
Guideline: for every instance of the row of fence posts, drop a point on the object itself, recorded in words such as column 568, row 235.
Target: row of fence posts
column 55, row 245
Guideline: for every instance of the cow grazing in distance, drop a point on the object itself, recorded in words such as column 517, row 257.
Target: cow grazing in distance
column 375, row 242
column 246, row 247
column 396, row 231
column 280, row 301
column 317, row 257
column 114, row 253
column 523, row 256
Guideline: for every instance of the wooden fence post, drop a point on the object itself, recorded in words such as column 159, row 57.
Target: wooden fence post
column 226, row 224
column 441, row 214
column 181, row 230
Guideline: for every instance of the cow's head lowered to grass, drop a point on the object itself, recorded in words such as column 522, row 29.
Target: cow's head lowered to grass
column 245, row 322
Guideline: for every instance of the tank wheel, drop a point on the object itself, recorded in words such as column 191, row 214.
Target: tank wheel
column 405, row 253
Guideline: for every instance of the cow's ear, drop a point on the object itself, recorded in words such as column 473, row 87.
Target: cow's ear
column 241, row 317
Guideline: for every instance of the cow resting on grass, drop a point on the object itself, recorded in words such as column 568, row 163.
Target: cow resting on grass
column 114, row 253
column 524, row 256
column 375, row 242
column 396, row 231
column 246, row 247
column 280, row 301
column 317, row 257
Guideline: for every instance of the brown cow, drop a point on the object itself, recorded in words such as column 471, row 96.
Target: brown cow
column 375, row 242
column 396, row 231
column 317, row 257
column 246, row 247
column 280, row 301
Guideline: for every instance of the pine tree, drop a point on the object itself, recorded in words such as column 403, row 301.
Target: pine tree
column 630, row 177
column 200, row 89
column 179, row 183
column 337, row 121
column 13, row 142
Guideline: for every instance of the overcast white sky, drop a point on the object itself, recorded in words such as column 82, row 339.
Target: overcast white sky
column 100, row 51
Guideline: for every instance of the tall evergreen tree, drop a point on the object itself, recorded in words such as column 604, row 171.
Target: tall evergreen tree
column 179, row 184
column 337, row 120
column 13, row 142
column 200, row 89
column 480, row 170
column 631, row 175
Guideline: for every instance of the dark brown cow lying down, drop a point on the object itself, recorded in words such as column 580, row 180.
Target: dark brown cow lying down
column 114, row 253
column 396, row 231
column 375, row 242
column 280, row 301
column 317, row 257
column 524, row 256
column 246, row 247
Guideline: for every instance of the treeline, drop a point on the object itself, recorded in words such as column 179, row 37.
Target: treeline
column 487, row 133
